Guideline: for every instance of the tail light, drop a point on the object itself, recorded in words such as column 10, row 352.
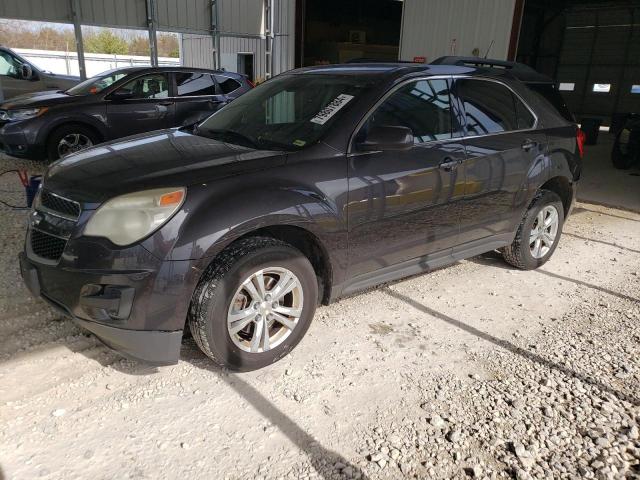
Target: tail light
column 580, row 138
column 253, row 85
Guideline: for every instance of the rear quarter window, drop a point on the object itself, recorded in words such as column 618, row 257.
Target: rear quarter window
column 552, row 96
column 227, row 84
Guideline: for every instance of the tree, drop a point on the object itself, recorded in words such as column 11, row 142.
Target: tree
column 168, row 45
column 139, row 45
column 105, row 41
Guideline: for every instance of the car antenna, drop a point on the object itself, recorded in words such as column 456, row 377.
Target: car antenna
column 489, row 49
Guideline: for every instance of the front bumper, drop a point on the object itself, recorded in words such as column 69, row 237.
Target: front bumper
column 140, row 316
column 14, row 142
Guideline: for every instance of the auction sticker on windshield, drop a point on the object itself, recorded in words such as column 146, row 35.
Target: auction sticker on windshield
column 331, row 109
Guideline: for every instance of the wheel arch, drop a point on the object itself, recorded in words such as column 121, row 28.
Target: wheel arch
column 84, row 122
column 312, row 248
column 561, row 186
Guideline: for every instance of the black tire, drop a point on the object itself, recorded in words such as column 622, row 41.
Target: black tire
column 212, row 299
column 69, row 129
column 519, row 253
column 621, row 157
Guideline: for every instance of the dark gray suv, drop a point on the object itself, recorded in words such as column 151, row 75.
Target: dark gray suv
column 318, row 183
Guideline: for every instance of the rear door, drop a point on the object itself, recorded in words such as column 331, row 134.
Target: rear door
column 502, row 146
column 148, row 106
column 197, row 97
column 406, row 204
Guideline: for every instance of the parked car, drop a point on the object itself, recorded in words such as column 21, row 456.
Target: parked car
column 18, row 76
column 112, row 105
column 316, row 184
column 626, row 146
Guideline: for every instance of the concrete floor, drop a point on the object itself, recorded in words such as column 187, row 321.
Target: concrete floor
column 603, row 184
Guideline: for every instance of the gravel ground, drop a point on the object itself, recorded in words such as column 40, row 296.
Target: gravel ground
column 476, row 370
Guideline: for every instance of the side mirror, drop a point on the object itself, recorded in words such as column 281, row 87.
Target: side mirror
column 26, row 72
column 119, row 95
column 387, row 137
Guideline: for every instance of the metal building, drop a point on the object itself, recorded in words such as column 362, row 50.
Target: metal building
column 254, row 37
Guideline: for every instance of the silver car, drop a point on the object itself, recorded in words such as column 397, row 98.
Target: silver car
column 18, row 76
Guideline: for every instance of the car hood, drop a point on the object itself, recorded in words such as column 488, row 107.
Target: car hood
column 165, row 158
column 38, row 99
column 66, row 79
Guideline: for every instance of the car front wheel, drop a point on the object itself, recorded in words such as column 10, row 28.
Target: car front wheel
column 254, row 303
column 69, row 139
column 538, row 234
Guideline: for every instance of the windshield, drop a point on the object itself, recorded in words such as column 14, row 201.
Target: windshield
column 96, row 84
column 288, row 112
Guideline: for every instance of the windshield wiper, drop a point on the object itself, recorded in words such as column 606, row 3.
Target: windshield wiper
column 228, row 134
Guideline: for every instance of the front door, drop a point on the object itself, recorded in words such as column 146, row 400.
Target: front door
column 502, row 147
column 404, row 205
column 144, row 105
column 12, row 82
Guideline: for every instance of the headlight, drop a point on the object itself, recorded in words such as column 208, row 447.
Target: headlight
column 25, row 113
column 131, row 217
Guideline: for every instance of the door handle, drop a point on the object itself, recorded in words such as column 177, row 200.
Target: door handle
column 529, row 145
column 449, row 164
column 165, row 104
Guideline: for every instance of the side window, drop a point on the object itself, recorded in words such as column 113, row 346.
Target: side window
column 489, row 107
column 191, row 84
column 148, row 87
column 227, row 85
column 423, row 106
column 524, row 116
column 9, row 65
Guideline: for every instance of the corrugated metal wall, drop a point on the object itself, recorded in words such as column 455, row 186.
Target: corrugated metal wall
column 197, row 51
column 284, row 44
column 231, row 46
column 114, row 13
column 44, row 10
column 173, row 16
column 184, row 15
column 429, row 27
column 240, row 17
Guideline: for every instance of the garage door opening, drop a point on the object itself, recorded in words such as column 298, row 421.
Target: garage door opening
column 338, row 31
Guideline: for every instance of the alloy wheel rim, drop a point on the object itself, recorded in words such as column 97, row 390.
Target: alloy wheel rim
column 73, row 142
column 544, row 231
column 265, row 310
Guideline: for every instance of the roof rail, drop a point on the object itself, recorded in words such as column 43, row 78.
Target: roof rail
column 521, row 71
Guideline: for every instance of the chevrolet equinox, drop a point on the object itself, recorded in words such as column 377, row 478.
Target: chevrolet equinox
column 319, row 183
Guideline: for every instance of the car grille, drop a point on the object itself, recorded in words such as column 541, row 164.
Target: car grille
column 47, row 246
column 60, row 205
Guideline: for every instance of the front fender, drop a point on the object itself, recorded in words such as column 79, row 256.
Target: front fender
column 218, row 214
column 96, row 121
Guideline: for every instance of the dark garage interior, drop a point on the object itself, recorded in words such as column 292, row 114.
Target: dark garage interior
column 336, row 31
column 592, row 49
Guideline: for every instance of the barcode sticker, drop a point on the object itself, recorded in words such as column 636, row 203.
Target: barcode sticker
column 331, row 109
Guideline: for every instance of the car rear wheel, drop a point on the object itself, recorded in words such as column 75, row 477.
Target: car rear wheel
column 69, row 139
column 253, row 304
column 538, row 234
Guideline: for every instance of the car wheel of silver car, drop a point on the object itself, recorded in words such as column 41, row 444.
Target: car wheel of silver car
column 68, row 139
column 254, row 303
column 538, row 233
